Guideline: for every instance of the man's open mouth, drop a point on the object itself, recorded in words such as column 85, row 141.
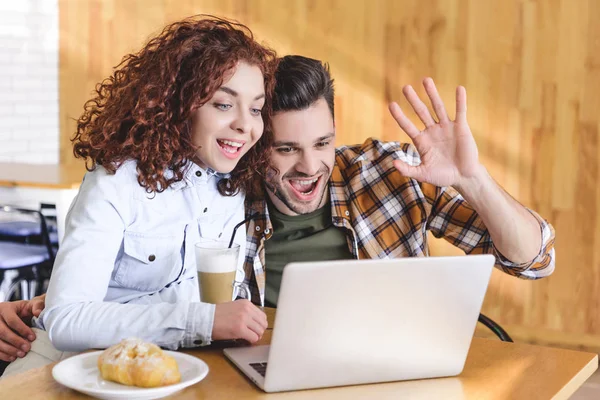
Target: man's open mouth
column 305, row 189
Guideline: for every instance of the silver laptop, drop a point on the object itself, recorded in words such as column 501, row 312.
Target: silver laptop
column 355, row 322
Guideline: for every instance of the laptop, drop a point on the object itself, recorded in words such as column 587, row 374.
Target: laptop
column 365, row 321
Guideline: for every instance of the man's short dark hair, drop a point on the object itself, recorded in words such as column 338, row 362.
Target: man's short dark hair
column 300, row 82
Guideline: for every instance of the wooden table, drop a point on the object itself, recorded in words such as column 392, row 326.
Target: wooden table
column 494, row 370
column 41, row 176
column 28, row 185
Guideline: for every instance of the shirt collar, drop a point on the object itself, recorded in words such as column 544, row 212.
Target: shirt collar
column 195, row 174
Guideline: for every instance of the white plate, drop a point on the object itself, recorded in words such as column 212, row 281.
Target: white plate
column 81, row 373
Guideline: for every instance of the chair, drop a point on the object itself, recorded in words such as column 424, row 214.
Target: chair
column 494, row 327
column 27, row 261
column 30, row 231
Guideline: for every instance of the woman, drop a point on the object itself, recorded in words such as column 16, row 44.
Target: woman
column 159, row 138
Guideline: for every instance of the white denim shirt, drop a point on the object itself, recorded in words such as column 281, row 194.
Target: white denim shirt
column 127, row 267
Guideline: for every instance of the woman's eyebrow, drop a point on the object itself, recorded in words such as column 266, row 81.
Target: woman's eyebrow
column 232, row 92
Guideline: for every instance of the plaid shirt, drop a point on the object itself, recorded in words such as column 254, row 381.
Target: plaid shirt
column 387, row 215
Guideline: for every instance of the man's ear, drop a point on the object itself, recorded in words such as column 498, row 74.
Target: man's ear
column 271, row 173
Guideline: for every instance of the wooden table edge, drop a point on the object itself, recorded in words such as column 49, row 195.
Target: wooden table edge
column 39, row 185
column 578, row 380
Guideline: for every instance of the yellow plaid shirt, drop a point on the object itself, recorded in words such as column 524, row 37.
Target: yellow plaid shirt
column 387, row 215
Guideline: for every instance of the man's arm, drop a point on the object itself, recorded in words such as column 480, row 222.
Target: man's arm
column 452, row 218
column 449, row 157
column 15, row 334
column 515, row 232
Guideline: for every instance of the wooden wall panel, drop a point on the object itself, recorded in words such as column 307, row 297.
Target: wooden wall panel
column 532, row 73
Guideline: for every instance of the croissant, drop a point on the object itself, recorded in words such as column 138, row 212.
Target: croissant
column 136, row 363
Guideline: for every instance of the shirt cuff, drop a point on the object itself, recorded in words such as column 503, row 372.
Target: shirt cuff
column 199, row 325
column 547, row 234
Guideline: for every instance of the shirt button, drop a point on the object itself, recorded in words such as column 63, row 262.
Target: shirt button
column 257, row 228
column 151, row 257
column 347, row 213
column 198, row 173
column 205, row 209
column 198, row 342
column 267, row 231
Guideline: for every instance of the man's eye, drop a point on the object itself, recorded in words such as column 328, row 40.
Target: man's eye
column 285, row 149
column 322, row 144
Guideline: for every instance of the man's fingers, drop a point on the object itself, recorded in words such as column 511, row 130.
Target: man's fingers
column 38, row 304
column 10, row 350
column 418, row 105
column 7, row 357
column 406, row 124
column 37, row 309
column 461, row 104
column 16, row 324
column 415, row 172
column 11, row 339
column 436, row 100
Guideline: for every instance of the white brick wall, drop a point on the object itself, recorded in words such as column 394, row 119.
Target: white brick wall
column 29, row 130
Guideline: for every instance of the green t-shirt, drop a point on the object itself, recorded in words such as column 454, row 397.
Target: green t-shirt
column 308, row 237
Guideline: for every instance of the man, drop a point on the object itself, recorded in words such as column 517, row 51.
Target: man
column 378, row 200
column 375, row 200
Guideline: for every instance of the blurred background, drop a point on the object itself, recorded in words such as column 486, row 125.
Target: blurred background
column 531, row 69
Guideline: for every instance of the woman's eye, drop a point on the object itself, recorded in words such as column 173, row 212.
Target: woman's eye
column 223, row 107
column 256, row 111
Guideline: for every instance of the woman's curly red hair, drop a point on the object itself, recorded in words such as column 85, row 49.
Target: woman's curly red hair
column 143, row 111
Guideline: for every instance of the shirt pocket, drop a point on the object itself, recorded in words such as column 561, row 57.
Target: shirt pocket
column 149, row 262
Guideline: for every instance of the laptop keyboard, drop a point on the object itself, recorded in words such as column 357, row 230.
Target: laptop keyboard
column 261, row 368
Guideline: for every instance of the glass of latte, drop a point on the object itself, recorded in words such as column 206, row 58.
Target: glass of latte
column 216, row 264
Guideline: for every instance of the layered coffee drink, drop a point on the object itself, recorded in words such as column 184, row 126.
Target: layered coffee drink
column 216, row 265
column 216, row 287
